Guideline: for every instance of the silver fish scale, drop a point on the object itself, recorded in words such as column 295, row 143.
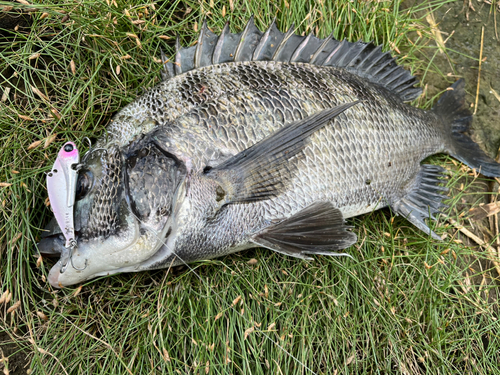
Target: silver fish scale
column 332, row 170
column 357, row 149
column 362, row 161
column 181, row 94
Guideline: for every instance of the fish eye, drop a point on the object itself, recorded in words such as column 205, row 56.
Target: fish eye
column 83, row 185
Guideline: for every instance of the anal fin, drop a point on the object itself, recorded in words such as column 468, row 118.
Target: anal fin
column 317, row 229
column 425, row 198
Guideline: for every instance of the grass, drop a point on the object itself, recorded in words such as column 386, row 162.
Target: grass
column 408, row 304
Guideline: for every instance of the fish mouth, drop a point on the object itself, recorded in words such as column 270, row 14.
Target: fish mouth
column 51, row 246
column 125, row 251
column 93, row 258
column 53, row 276
column 72, row 268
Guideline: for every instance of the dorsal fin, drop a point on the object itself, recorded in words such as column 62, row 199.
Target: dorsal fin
column 363, row 59
column 322, row 52
column 342, row 55
column 287, row 46
column 226, row 46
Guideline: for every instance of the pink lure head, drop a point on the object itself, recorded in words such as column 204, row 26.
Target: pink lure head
column 69, row 153
column 61, row 186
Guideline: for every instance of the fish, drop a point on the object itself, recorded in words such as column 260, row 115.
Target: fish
column 258, row 139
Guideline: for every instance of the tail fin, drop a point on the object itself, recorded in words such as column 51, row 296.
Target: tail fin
column 453, row 110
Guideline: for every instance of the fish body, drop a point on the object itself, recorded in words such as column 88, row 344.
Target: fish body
column 268, row 140
column 360, row 163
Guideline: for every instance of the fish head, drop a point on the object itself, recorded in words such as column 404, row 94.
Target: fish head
column 122, row 210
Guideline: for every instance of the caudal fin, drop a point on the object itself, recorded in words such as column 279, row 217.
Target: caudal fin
column 453, row 110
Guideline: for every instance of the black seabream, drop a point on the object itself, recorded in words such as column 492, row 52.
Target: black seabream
column 259, row 139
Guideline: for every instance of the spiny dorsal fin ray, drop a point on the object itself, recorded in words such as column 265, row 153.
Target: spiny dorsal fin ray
column 226, row 46
column 333, row 57
column 305, row 51
column 184, row 61
column 356, row 53
column 268, row 44
column 248, row 42
column 322, row 52
column 178, row 56
column 205, row 47
column 383, row 66
column 363, row 59
column 288, row 44
column 168, row 68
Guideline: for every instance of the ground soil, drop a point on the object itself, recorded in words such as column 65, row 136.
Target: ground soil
column 461, row 26
column 17, row 362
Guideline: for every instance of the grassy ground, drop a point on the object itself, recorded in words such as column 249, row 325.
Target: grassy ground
column 408, row 304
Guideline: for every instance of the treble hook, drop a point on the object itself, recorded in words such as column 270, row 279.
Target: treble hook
column 91, row 150
column 88, row 140
column 68, row 254
column 76, row 268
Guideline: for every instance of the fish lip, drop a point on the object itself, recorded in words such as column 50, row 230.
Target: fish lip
column 54, row 274
column 51, row 246
column 51, row 229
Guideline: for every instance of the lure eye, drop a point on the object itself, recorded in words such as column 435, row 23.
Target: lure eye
column 84, row 184
column 68, row 147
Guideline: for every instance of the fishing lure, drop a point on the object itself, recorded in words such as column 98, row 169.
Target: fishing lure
column 61, row 186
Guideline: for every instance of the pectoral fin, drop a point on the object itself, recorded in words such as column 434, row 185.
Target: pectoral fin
column 263, row 170
column 318, row 229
